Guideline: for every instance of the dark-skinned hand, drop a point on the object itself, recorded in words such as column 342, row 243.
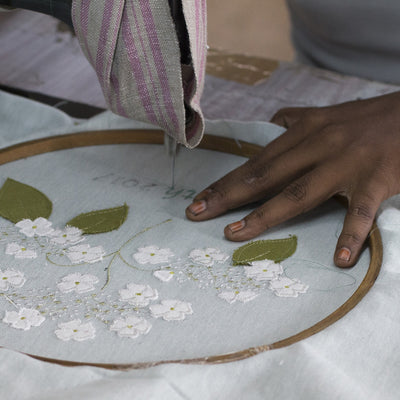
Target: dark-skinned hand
column 351, row 149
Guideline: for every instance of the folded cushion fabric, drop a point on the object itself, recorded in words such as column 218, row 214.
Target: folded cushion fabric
column 134, row 47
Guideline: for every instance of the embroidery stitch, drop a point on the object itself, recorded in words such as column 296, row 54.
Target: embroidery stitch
column 263, row 270
column 286, row 287
column 75, row 330
column 19, row 201
column 131, row 326
column 164, row 275
column 10, row 277
column 152, row 255
column 138, row 295
column 38, row 227
column 69, row 235
column 85, row 253
column 78, row 283
column 232, row 297
column 23, row 319
column 20, row 251
column 276, row 250
column 208, row 256
column 100, row 221
column 171, row 310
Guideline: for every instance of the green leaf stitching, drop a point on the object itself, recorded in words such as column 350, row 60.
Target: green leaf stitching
column 100, row 221
column 19, row 201
column 276, row 250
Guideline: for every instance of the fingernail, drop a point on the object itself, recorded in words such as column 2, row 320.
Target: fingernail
column 236, row 226
column 197, row 207
column 344, row 254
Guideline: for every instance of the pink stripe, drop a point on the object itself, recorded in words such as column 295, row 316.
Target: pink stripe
column 164, row 122
column 115, row 85
column 102, row 43
column 85, row 5
column 201, row 42
column 159, row 62
column 137, row 68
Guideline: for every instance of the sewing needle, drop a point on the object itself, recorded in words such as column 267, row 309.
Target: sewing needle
column 171, row 147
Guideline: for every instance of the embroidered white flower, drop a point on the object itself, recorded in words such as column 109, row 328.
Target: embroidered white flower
column 20, row 251
column 208, row 256
column 75, row 330
column 10, row 277
column 39, row 227
column 138, row 295
column 131, row 326
column 85, row 253
column 152, row 255
column 243, row 296
column 171, row 310
column 286, row 287
column 265, row 270
column 24, row 318
column 69, row 235
column 164, row 275
column 78, row 283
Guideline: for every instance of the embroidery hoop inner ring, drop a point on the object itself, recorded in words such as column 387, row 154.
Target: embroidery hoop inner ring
column 209, row 142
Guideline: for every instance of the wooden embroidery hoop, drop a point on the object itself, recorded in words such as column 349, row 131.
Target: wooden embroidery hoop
column 209, row 142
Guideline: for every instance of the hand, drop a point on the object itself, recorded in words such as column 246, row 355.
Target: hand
column 351, row 149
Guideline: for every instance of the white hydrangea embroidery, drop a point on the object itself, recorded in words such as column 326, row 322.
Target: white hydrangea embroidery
column 131, row 326
column 152, row 255
column 242, row 296
column 24, row 318
column 78, row 283
column 286, row 287
column 208, row 256
column 171, row 310
column 39, row 227
column 75, row 330
column 19, row 251
column 69, row 235
column 265, row 270
column 10, row 277
column 164, row 275
column 85, row 253
column 138, row 295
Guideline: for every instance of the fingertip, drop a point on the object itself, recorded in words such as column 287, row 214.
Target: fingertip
column 345, row 256
column 242, row 230
column 194, row 210
column 233, row 231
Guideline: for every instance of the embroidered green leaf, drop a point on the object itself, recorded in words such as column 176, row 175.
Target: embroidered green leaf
column 19, row 201
column 276, row 250
column 100, row 221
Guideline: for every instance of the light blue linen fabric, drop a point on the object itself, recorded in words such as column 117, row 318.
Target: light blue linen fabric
column 355, row 37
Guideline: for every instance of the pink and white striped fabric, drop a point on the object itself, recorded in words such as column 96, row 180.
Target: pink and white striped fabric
column 134, row 48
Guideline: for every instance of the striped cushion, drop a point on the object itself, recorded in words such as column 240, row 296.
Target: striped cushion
column 133, row 46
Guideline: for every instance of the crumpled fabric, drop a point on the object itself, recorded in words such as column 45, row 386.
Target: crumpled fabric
column 134, row 48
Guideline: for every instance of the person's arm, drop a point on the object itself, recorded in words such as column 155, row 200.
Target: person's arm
column 351, row 149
